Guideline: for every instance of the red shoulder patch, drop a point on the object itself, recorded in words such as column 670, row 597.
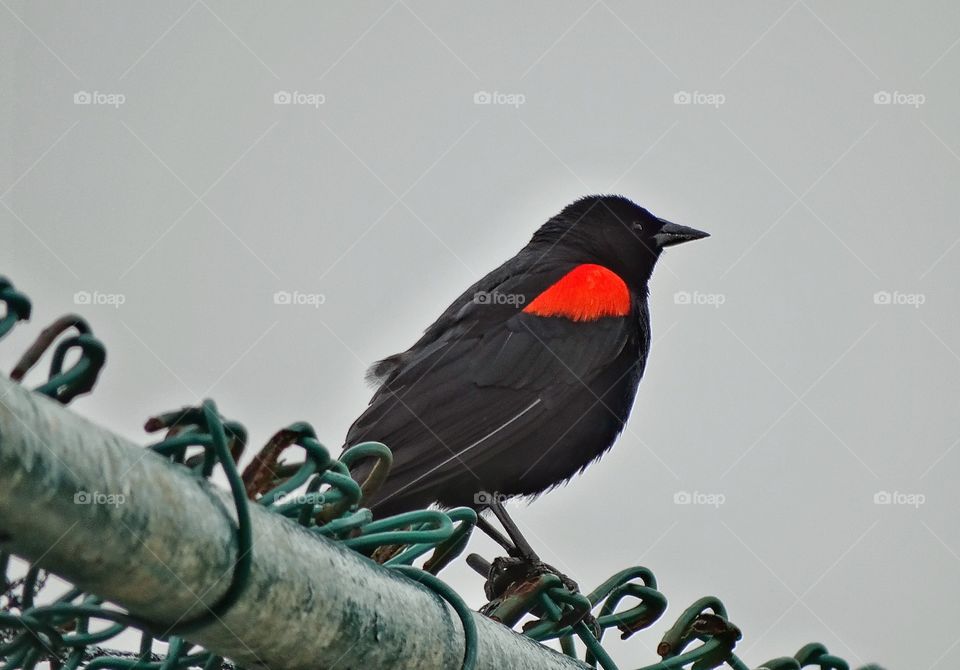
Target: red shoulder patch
column 586, row 293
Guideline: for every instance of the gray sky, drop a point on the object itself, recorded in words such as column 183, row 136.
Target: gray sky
column 806, row 357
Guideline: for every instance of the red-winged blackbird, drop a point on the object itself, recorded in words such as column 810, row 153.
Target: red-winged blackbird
column 530, row 374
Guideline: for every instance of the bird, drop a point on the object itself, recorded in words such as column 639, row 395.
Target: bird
column 530, row 374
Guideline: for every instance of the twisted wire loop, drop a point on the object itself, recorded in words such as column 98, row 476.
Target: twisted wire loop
column 63, row 385
column 317, row 491
column 16, row 306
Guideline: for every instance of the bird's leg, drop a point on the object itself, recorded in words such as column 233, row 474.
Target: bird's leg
column 521, row 548
column 495, row 535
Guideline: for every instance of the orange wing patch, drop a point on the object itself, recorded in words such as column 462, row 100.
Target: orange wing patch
column 586, row 293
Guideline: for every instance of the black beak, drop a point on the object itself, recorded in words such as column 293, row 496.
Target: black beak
column 671, row 234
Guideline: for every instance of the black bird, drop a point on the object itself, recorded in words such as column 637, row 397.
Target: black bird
column 531, row 373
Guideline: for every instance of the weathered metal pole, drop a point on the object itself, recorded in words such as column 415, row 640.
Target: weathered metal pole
column 121, row 522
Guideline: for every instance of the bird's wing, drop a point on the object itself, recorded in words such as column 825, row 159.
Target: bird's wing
column 540, row 353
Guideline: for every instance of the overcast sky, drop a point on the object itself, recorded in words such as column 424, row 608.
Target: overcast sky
column 372, row 159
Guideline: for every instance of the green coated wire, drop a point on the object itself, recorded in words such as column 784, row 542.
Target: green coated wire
column 17, row 306
column 244, row 533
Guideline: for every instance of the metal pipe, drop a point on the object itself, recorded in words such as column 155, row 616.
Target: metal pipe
column 125, row 524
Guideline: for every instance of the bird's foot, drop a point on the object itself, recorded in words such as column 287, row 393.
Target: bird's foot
column 510, row 572
column 512, row 581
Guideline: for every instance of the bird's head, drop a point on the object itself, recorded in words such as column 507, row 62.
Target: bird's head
column 613, row 231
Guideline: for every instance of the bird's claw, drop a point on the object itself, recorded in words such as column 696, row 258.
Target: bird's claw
column 512, row 586
column 507, row 572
